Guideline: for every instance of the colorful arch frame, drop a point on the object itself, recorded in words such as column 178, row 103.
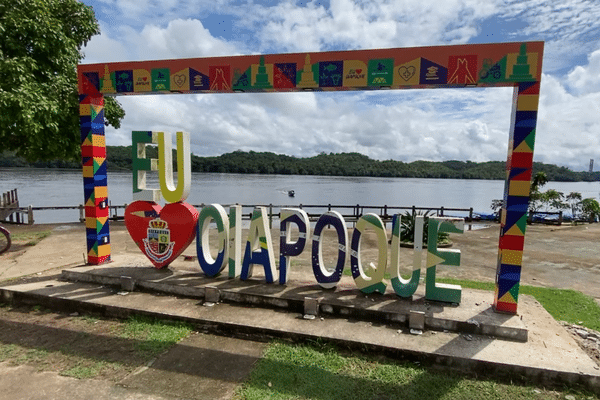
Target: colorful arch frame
column 479, row 65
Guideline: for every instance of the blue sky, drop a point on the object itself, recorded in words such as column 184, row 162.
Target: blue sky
column 465, row 124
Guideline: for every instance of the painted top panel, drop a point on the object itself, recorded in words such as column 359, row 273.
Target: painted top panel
column 495, row 64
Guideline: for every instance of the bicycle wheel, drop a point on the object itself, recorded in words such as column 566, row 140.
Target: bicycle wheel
column 4, row 240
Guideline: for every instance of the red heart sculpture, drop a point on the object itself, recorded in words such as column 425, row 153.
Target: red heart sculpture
column 162, row 233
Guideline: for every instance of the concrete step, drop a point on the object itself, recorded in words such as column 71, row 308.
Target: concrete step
column 548, row 357
column 473, row 316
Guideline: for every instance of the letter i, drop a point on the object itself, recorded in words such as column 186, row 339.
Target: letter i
column 235, row 241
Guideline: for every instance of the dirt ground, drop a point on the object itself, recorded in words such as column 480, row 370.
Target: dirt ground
column 60, row 355
column 67, row 343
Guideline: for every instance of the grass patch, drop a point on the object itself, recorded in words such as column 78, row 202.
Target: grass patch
column 32, row 238
column 7, row 351
column 85, row 371
column 155, row 336
column 563, row 304
column 90, row 319
column 323, row 372
column 33, row 356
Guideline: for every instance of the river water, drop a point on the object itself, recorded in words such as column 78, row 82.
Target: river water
column 46, row 187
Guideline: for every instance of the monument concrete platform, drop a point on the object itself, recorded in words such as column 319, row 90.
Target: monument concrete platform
column 308, row 298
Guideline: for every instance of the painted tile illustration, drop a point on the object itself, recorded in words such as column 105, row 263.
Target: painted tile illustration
column 331, row 73
column 432, row 73
column 462, row 69
column 408, row 74
column 161, row 79
column 142, row 81
column 306, row 77
column 124, row 81
column 180, row 80
column 493, row 72
column 220, row 78
column 381, row 72
column 284, row 75
column 355, row 73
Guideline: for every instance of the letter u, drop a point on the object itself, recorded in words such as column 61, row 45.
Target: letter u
column 168, row 190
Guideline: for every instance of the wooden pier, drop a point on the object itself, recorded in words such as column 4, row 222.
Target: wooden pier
column 11, row 212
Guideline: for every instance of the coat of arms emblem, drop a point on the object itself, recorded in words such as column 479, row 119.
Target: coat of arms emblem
column 158, row 243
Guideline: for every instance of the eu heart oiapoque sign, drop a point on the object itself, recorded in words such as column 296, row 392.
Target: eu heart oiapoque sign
column 163, row 233
column 517, row 65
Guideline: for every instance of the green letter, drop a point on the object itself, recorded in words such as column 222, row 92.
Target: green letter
column 140, row 164
column 442, row 292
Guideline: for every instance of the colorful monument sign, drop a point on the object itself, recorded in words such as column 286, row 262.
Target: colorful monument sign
column 163, row 233
column 482, row 65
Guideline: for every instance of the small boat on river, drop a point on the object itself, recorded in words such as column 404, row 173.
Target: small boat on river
column 291, row 193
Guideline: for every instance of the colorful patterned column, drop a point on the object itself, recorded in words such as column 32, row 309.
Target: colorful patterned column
column 93, row 157
column 516, row 196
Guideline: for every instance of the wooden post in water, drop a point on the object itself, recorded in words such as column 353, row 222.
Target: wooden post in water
column 30, row 219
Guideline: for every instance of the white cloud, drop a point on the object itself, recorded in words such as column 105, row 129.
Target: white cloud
column 586, row 79
column 568, row 131
column 569, row 28
column 181, row 38
column 103, row 48
column 567, row 20
column 373, row 24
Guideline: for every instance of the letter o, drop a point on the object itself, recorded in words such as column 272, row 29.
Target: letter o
column 327, row 279
column 216, row 212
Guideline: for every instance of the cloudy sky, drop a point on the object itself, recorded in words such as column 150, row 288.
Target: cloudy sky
column 405, row 125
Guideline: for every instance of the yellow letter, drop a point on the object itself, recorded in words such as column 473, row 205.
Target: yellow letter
column 171, row 193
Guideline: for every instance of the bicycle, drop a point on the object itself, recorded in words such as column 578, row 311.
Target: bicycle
column 4, row 239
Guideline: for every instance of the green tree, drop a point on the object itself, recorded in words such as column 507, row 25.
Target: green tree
column 539, row 180
column 40, row 47
column 408, row 227
column 574, row 202
column 536, row 198
column 552, row 198
column 496, row 206
column 590, row 208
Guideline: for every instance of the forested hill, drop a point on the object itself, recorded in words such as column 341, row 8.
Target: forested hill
column 344, row 164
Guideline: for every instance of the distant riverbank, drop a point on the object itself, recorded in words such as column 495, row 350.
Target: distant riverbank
column 332, row 164
column 52, row 187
